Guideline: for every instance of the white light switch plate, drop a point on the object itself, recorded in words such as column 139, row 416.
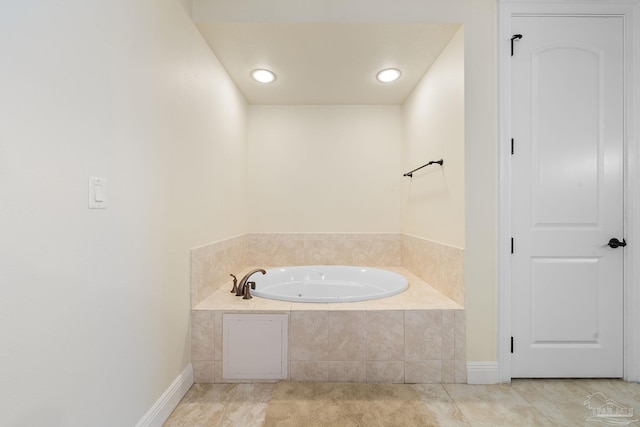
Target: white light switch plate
column 97, row 193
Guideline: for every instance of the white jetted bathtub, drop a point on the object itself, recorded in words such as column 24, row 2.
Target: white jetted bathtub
column 327, row 283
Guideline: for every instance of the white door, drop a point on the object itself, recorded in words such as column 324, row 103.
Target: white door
column 567, row 196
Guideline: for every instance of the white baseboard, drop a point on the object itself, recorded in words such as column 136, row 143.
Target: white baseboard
column 483, row 373
column 163, row 407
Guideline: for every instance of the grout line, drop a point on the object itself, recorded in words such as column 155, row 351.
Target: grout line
column 530, row 404
column 464, row 416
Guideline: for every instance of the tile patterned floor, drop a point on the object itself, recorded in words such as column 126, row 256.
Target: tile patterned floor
column 521, row 403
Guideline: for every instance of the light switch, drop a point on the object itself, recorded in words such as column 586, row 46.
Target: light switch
column 97, row 193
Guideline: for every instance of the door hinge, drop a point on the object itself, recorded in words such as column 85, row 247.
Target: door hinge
column 511, row 344
column 512, row 147
column 512, row 245
column 515, row 37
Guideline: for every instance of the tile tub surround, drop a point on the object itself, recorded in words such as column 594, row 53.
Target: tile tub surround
column 212, row 263
column 287, row 249
column 440, row 265
column 414, row 337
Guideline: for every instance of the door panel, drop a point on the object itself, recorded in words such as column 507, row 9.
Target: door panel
column 565, row 82
column 574, row 286
column 567, row 109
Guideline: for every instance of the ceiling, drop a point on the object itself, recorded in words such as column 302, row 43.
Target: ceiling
column 326, row 63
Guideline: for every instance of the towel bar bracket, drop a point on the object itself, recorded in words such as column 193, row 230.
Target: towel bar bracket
column 410, row 174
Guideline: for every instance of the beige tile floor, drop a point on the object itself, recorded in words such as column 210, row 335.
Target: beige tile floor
column 521, row 403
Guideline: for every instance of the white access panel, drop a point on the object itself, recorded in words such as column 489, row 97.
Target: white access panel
column 255, row 346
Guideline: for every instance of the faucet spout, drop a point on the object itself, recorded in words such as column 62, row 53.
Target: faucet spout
column 243, row 282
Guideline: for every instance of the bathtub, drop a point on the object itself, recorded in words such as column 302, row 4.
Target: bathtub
column 327, row 283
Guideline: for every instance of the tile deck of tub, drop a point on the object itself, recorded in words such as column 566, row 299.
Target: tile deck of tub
column 418, row 296
column 417, row 336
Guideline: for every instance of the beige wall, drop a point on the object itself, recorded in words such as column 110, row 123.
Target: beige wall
column 478, row 18
column 95, row 303
column 480, row 178
column 433, row 200
column 324, row 168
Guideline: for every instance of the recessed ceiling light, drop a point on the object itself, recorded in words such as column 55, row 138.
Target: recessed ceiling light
column 388, row 75
column 263, row 76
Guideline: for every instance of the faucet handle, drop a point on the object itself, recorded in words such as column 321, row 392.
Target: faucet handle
column 235, row 283
column 247, row 290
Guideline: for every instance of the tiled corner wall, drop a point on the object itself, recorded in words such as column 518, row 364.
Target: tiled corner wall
column 212, row 263
column 388, row 346
column 440, row 265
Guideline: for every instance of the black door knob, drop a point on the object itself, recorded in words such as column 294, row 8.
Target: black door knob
column 614, row 243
